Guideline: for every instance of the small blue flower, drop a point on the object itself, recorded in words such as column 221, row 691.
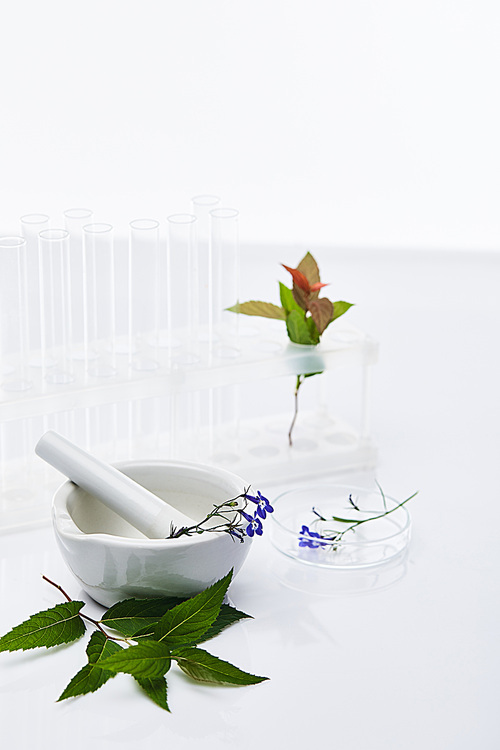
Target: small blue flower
column 263, row 504
column 311, row 539
column 254, row 525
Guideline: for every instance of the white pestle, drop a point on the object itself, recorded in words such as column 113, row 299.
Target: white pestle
column 144, row 510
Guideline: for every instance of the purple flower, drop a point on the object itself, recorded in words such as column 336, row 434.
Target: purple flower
column 310, row 539
column 263, row 504
column 254, row 524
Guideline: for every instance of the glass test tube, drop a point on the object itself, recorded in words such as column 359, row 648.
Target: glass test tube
column 224, row 251
column 99, row 300
column 31, row 226
column 74, row 221
column 55, row 308
column 144, row 295
column 182, row 281
column 13, row 319
column 123, row 342
column 202, row 205
column 182, row 301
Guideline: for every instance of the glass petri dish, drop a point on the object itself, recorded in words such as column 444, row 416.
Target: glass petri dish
column 376, row 540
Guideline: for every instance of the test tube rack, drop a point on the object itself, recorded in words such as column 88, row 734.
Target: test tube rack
column 223, row 396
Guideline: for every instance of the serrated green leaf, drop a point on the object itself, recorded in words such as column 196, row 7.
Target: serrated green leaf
column 91, row 677
column 297, row 328
column 146, row 660
column 313, row 331
column 339, row 308
column 190, row 620
column 147, row 631
column 288, row 301
column 202, row 666
column 131, row 616
column 156, row 689
column 60, row 624
column 261, row 309
column 99, row 647
column 227, row 616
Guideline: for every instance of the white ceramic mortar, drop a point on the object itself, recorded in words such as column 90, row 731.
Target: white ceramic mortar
column 114, row 561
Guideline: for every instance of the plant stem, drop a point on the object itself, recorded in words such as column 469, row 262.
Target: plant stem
column 56, row 585
column 300, row 380
column 225, row 509
column 355, row 523
column 85, row 617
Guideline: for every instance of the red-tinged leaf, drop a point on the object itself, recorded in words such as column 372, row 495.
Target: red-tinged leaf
column 317, row 287
column 309, row 268
column 299, row 279
column 300, row 297
column 321, row 312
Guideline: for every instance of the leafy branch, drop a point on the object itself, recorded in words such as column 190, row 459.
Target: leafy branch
column 306, row 314
column 156, row 632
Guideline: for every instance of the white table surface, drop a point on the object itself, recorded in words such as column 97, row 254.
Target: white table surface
column 401, row 658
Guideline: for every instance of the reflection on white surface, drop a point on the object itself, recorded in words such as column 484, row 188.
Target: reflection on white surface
column 404, row 660
column 328, row 582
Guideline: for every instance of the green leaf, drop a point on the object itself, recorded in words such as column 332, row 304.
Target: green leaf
column 262, row 309
column 147, row 631
column 226, row 617
column 130, row 616
column 156, row 689
column 149, row 659
column 60, row 624
column 313, row 331
column 287, row 300
column 92, row 676
column 297, row 328
column 190, row 620
column 309, row 268
column 321, row 312
column 202, row 666
column 339, row 308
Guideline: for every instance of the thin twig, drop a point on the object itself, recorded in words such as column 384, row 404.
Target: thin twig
column 85, row 617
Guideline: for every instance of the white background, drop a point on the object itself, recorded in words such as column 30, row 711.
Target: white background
column 369, row 123
column 354, row 124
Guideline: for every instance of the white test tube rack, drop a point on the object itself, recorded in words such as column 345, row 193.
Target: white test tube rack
column 168, row 411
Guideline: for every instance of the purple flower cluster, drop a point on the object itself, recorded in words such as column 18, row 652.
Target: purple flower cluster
column 255, row 522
